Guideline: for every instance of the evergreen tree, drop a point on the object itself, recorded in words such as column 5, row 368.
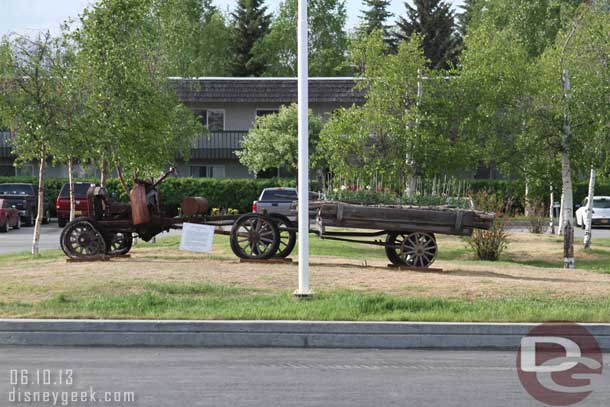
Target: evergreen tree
column 250, row 24
column 434, row 21
column 375, row 18
column 470, row 9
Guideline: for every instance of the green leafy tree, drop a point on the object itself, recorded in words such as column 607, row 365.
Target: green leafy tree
column 572, row 105
column 251, row 24
column 327, row 40
column 434, row 22
column 194, row 38
column 30, row 103
column 140, row 125
column 273, row 142
column 400, row 132
column 535, row 23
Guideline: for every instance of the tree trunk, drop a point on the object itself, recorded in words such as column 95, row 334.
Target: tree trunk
column 566, row 176
column 41, row 208
column 104, row 174
column 589, row 220
column 552, row 212
column 527, row 206
column 121, row 179
column 71, row 183
column 567, row 225
column 560, row 222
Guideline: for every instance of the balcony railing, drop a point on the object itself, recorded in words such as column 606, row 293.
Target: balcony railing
column 214, row 146
column 219, row 145
column 5, row 144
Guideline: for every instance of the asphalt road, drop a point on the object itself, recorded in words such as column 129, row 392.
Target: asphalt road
column 17, row 241
column 279, row 377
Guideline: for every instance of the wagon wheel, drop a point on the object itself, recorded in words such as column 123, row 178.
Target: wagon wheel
column 254, row 237
column 416, row 249
column 120, row 244
column 80, row 239
column 288, row 238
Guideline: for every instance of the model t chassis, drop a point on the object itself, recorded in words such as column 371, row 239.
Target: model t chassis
column 409, row 231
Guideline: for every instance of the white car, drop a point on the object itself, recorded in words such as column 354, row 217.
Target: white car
column 601, row 212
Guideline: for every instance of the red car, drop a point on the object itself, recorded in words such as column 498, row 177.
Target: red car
column 63, row 202
column 9, row 216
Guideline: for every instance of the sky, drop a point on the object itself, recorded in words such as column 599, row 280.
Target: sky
column 30, row 16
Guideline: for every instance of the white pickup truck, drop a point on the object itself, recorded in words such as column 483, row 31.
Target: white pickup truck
column 276, row 201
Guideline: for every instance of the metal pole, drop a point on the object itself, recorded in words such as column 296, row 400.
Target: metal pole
column 303, row 183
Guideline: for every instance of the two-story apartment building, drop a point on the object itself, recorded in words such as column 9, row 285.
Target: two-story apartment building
column 228, row 107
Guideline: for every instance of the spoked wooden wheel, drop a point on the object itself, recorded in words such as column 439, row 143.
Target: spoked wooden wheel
column 120, row 244
column 415, row 249
column 80, row 239
column 288, row 238
column 254, row 237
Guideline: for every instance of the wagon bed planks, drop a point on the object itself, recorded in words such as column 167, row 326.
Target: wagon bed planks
column 441, row 220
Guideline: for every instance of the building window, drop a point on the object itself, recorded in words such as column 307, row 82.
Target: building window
column 266, row 112
column 213, row 119
column 207, row 171
column 7, row 171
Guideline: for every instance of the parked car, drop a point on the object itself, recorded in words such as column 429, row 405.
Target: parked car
column 280, row 202
column 9, row 216
column 601, row 212
column 63, row 202
column 275, row 201
column 24, row 198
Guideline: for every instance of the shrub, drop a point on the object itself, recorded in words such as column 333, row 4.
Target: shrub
column 538, row 222
column 489, row 244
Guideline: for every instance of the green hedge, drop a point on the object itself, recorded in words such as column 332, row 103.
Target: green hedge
column 239, row 193
column 221, row 193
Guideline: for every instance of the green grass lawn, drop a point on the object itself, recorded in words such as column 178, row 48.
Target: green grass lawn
column 163, row 300
column 208, row 301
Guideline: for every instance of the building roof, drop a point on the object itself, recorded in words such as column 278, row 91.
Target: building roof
column 266, row 90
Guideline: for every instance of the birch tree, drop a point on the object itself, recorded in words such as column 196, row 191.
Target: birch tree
column 30, row 104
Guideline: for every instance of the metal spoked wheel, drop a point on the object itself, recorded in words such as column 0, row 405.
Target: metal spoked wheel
column 254, row 237
column 415, row 249
column 120, row 244
column 80, row 239
column 288, row 238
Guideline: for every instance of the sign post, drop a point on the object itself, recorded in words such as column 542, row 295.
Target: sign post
column 303, row 182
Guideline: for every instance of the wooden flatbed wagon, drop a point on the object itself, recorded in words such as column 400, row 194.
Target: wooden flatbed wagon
column 409, row 231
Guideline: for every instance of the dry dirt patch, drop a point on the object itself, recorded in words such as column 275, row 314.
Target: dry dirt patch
column 34, row 281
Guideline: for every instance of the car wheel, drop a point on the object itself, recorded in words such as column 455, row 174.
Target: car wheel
column 62, row 222
column 4, row 228
column 29, row 220
column 18, row 225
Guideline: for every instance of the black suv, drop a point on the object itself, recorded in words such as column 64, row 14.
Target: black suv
column 25, row 199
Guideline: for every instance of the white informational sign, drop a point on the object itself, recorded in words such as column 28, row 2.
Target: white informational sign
column 197, row 238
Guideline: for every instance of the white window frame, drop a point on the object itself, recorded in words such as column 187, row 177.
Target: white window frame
column 224, row 117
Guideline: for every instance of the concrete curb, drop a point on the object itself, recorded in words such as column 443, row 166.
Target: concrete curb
column 299, row 334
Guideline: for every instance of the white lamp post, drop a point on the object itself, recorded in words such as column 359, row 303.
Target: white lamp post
column 303, row 184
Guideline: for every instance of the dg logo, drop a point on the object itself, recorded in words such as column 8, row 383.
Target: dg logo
column 559, row 363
